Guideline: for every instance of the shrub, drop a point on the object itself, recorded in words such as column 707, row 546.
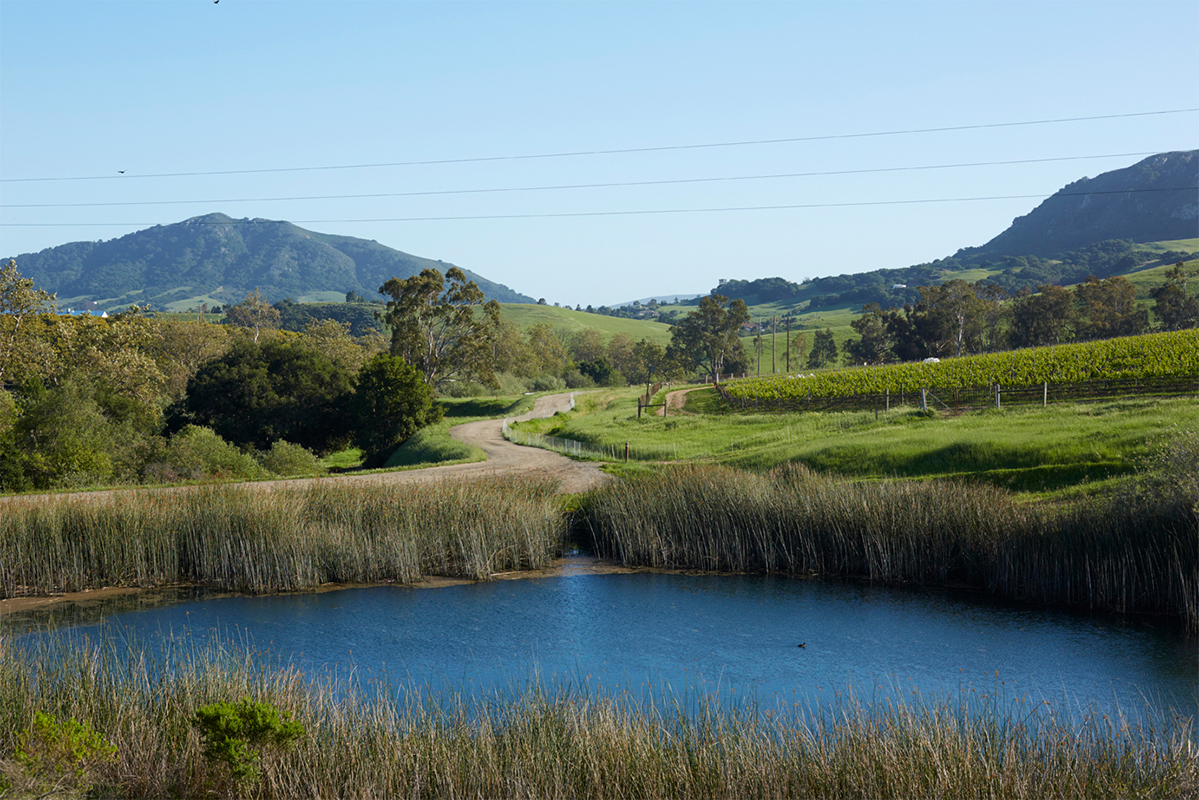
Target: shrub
column 547, row 383
column 197, row 452
column 59, row 756
column 234, row 734
column 285, row 458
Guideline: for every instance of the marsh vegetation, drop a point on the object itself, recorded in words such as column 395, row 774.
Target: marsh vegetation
column 251, row 540
column 539, row 741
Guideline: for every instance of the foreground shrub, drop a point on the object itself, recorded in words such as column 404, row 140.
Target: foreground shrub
column 236, row 733
column 57, row 757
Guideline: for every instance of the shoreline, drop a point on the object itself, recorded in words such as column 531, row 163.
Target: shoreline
column 561, row 567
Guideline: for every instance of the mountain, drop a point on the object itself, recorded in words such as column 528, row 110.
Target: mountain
column 1154, row 200
column 216, row 258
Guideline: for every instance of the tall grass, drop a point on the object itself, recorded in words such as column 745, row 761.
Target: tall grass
column 258, row 541
column 361, row 741
column 1118, row 555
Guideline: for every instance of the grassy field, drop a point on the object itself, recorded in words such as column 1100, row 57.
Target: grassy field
column 566, row 319
column 1057, row 452
column 361, row 740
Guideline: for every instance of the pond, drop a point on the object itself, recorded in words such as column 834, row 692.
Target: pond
column 734, row 637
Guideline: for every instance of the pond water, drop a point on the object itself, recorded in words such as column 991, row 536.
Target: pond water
column 700, row 635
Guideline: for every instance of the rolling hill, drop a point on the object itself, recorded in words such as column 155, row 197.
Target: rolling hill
column 218, row 259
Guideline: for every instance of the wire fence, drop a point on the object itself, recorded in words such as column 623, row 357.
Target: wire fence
column 969, row 398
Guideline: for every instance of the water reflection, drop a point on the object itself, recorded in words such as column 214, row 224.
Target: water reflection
column 736, row 635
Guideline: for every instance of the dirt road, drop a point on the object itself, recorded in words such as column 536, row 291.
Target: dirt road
column 676, row 400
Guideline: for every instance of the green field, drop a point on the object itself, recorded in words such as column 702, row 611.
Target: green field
column 1061, row 451
column 565, row 319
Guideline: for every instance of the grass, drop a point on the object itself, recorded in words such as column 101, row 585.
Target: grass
column 1062, row 451
column 1133, row 553
column 363, row 740
column 256, row 541
column 565, row 319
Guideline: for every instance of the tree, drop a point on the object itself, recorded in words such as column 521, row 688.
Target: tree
column 1173, row 307
column 951, row 314
column 19, row 300
column 549, row 354
column 391, row 402
column 709, row 337
column 253, row 313
column 1045, row 318
column 1109, row 308
column 259, row 393
column 824, row 349
column 445, row 332
column 799, row 347
column 877, row 339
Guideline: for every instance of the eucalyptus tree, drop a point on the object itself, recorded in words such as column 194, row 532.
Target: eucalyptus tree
column 20, row 300
column 444, row 331
column 709, row 337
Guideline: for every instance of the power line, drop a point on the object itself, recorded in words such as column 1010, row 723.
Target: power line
column 562, row 214
column 560, row 187
column 620, row 151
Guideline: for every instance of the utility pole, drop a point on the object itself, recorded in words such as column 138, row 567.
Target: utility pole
column 788, row 345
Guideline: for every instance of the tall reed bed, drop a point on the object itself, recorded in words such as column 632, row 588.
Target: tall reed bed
column 250, row 540
column 363, row 741
column 1120, row 555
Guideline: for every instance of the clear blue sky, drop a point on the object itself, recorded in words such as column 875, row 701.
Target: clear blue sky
column 88, row 89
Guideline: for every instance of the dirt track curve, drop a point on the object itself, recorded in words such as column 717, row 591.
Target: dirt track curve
column 503, row 458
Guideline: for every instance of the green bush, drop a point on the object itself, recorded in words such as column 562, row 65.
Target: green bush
column 285, row 458
column 234, row 734
column 59, row 756
column 197, row 452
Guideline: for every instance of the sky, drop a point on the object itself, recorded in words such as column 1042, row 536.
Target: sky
column 586, row 152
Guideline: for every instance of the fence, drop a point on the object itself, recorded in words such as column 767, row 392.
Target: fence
column 960, row 399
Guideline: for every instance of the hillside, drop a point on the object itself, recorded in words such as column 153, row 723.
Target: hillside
column 1101, row 226
column 218, row 259
column 565, row 319
column 1153, row 200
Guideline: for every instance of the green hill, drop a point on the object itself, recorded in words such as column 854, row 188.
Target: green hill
column 565, row 319
column 218, row 259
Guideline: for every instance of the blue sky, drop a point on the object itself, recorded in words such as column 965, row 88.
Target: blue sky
column 88, row 89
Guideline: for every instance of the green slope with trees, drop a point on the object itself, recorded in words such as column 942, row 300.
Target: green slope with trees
column 216, row 259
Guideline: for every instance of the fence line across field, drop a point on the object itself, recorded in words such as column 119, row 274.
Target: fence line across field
column 979, row 397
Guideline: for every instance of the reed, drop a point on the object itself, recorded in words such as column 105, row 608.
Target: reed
column 255, row 541
column 368, row 741
column 1115, row 554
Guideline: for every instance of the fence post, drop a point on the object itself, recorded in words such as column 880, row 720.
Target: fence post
column 1045, row 393
column 923, row 399
column 638, row 406
column 997, row 401
column 626, row 452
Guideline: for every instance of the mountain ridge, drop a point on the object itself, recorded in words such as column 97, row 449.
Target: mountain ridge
column 221, row 259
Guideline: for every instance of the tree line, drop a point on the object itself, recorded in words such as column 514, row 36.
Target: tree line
column 959, row 318
column 142, row 398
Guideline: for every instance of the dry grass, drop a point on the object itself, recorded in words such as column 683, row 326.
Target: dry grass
column 365, row 742
column 253, row 541
column 1118, row 555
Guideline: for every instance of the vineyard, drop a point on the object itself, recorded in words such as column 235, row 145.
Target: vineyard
column 1160, row 363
